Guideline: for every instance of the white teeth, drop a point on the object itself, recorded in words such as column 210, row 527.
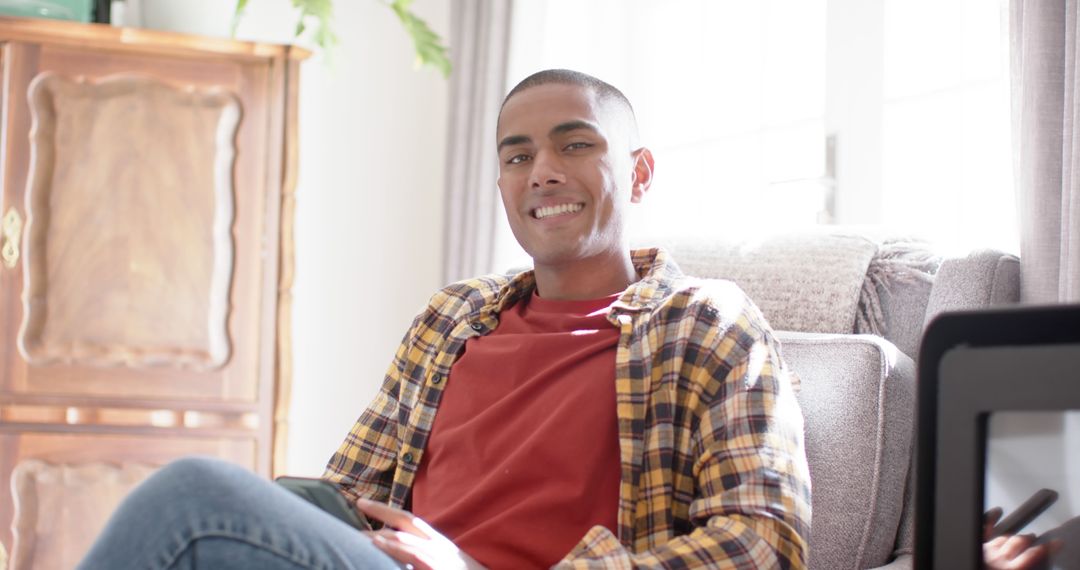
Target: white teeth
column 548, row 211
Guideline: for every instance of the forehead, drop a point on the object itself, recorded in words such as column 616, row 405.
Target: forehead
column 539, row 108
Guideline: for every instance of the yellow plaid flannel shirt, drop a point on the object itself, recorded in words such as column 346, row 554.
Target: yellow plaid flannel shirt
column 714, row 471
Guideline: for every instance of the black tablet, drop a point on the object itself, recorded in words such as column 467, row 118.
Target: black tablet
column 998, row 426
column 327, row 497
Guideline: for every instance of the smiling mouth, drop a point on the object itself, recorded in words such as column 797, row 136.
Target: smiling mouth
column 561, row 209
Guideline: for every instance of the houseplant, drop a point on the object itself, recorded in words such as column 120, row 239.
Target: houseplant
column 429, row 46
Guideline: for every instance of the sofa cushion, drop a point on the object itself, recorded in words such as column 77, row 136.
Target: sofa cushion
column 984, row 278
column 857, row 397
column 802, row 281
column 896, row 292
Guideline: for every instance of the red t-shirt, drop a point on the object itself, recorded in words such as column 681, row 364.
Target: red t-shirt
column 523, row 457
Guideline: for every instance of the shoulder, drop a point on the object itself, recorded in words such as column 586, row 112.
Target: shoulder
column 467, row 297
column 723, row 333
column 718, row 300
column 675, row 297
column 711, row 313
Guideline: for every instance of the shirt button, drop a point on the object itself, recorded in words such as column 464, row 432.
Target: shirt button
column 436, row 379
column 477, row 327
column 408, row 458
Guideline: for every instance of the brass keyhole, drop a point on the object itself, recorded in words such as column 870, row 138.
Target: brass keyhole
column 12, row 234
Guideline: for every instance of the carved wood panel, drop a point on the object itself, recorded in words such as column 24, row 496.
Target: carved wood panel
column 143, row 293
column 58, row 505
column 52, row 500
column 144, row 319
column 129, row 252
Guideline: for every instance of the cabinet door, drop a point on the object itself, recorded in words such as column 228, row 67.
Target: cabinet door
column 142, row 185
column 139, row 308
column 64, row 497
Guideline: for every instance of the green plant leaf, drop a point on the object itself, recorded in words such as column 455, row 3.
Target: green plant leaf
column 322, row 12
column 237, row 15
column 428, row 44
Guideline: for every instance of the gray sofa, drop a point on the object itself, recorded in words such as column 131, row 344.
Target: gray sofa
column 849, row 308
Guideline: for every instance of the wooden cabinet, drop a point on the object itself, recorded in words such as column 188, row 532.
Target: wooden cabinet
column 146, row 184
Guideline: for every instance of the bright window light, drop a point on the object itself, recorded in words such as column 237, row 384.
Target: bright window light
column 771, row 115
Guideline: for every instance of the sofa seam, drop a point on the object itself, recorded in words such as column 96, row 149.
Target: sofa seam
column 997, row 275
column 879, row 452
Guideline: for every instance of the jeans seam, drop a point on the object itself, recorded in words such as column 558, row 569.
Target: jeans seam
column 172, row 559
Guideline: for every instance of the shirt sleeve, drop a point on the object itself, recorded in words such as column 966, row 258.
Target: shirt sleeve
column 364, row 464
column 752, row 505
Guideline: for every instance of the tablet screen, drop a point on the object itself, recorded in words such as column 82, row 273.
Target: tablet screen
column 1032, row 474
column 998, row 426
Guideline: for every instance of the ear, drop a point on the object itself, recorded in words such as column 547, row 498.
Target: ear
column 643, row 173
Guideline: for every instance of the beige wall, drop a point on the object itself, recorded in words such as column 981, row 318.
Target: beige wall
column 369, row 212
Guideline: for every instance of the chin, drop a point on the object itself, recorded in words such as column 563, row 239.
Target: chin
column 555, row 256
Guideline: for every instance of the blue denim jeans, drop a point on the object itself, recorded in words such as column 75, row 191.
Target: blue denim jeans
column 204, row 513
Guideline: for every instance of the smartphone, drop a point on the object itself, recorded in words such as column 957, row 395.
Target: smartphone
column 325, row 495
column 1025, row 513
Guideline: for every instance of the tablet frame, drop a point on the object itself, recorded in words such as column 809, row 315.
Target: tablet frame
column 955, row 395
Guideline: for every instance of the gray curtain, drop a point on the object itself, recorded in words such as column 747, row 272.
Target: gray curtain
column 479, row 41
column 1046, row 138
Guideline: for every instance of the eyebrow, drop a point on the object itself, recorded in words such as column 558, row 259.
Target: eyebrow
column 561, row 128
column 574, row 126
column 513, row 140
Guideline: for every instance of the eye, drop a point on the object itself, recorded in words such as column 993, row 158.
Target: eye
column 517, row 159
column 577, row 146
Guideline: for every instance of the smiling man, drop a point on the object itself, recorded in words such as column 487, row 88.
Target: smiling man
column 601, row 410
column 569, row 170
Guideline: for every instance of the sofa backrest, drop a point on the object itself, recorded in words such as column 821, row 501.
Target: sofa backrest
column 839, row 279
column 823, row 291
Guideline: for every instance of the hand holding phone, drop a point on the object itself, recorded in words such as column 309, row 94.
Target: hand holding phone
column 327, row 497
column 1025, row 513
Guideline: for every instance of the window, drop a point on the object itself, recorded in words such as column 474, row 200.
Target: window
column 769, row 115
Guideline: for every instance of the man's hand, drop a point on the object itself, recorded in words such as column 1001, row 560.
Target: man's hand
column 1012, row 552
column 409, row 540
column 1015, row 553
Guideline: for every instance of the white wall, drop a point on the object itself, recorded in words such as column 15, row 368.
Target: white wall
column 369, row 212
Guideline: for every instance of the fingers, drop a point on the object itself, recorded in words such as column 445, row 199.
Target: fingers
column 400, row 547
column 413, row 542
column 990, row 518
column 396, row 518
column 1029, row 558
column 1015, row 545
column 1014, row 552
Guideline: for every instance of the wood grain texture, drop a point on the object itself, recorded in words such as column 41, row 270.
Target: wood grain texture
column 83, row 390
column 286, row 269
column 60, row 509
column 242, row 378
column 74, row 450
column 38, row 30
column 93, row 295
column 86, row 415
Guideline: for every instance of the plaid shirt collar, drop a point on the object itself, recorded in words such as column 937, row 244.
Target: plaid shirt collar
column 655, row 267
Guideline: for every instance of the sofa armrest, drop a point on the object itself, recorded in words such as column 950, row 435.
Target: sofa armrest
column 901, row 563
column 984, row 278
column 857, row 395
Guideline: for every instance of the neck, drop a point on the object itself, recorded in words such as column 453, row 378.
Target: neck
column 590, row 278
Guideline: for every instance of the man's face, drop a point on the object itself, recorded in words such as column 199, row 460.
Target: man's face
column 567, row 172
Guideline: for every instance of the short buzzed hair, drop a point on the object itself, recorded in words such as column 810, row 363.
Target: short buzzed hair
column 602, row 89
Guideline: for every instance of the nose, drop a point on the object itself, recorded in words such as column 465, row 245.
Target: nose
column 547, row 171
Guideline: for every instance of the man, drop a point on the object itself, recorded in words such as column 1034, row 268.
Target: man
column 601, row 410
